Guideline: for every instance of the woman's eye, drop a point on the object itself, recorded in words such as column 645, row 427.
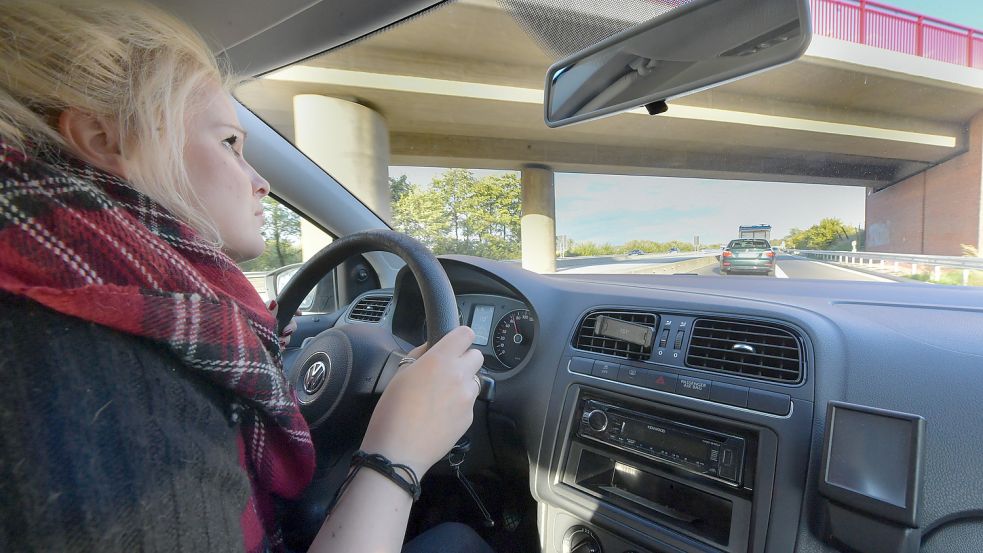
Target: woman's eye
column 230, row 142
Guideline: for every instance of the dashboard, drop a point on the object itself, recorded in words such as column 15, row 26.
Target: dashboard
column 692, row 414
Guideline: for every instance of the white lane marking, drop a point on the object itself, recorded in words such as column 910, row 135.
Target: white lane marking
column 779, row 273
column 844, row 269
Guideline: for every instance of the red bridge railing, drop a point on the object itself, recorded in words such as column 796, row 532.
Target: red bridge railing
column 899, row 30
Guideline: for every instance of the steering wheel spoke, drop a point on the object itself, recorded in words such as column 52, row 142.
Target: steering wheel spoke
column 350, row 362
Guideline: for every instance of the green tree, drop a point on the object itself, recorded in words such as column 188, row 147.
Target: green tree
column 399, row 187
column 828, row 233
column 281, row 231
column 420, row 213
column 459, row 213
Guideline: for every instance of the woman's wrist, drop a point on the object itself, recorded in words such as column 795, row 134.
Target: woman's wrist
column 418, row 467
column 396, row 453
column 403, row 476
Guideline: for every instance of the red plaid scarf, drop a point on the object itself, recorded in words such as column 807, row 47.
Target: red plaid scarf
column 84, row 243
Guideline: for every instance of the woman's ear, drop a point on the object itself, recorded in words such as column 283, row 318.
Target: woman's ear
column 93, row 140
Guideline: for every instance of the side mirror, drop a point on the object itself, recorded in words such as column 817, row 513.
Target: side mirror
column 698, row 45
column 321, row 299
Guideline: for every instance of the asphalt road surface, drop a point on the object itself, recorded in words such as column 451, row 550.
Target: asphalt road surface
column 790, row 266
column 611, row 263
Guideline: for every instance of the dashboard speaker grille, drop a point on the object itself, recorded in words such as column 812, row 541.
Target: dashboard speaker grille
column 586, row 340
column 370, row 309
column 755, row 350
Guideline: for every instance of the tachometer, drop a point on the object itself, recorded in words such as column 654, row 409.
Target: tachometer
column 513, row 337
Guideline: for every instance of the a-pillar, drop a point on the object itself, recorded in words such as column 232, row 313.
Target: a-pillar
column 351, row 143
column 538, row 219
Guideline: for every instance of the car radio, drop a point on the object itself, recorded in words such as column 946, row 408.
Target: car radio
column 698, row 450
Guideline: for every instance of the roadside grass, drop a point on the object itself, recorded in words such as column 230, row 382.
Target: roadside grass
column 952, row 278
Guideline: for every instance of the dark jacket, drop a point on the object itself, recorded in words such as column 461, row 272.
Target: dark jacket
column 108, row 444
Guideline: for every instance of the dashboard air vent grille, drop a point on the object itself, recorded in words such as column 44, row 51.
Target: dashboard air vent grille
column 751, row 349
column 370, row 309
column 586, row 340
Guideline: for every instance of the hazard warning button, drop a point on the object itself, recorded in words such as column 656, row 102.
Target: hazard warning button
column 658, row 380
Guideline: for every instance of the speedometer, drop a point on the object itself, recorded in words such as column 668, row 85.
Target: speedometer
column 513, row 337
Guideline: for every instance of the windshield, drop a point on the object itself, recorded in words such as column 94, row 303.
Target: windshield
column 860, row 161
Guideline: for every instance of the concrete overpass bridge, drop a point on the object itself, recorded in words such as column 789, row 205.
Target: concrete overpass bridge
column 435, row 92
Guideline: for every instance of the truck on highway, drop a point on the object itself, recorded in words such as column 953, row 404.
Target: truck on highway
column 762, row 232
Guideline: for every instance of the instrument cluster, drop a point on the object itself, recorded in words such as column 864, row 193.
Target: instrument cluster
column 504, row 328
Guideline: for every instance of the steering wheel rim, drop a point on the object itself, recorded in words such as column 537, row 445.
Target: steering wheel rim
column 342, row 364
column 439, row 303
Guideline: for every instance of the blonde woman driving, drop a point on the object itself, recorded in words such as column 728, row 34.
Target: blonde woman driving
column 142, row 402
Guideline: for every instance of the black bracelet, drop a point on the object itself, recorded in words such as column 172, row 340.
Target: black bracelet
column 383, row 466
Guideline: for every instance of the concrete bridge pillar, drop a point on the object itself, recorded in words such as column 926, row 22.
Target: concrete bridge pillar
column 933, row 212
column 538, row 219
column 350, row 142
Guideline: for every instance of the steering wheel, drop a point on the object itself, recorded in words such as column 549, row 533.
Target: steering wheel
column 347, row 361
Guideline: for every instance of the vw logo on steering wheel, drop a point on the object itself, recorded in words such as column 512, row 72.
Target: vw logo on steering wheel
column 316, row 375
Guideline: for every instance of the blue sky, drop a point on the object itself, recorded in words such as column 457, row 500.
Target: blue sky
column 613, row 208
column 961, row 12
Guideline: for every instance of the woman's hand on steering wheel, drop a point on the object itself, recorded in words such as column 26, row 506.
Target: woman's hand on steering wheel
column 291, row 327
column 428, row 405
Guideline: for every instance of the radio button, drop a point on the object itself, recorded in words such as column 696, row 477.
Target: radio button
column 728, row 472
column 693, row 387
column 597, row 420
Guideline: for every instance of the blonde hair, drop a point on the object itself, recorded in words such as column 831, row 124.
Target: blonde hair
column 131, row 64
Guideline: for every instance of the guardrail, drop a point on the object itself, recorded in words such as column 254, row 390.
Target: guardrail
column 914, row 262
column 884, row 26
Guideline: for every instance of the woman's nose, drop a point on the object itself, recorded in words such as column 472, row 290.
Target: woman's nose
column 261, row 187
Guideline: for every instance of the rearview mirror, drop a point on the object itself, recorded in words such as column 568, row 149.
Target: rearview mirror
column 698, row 45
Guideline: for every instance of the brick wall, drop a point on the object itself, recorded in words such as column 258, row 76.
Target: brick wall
column 935, row 211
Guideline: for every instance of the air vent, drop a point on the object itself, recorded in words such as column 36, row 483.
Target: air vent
column 754, row 350
column 370, row 309
column 586, row 340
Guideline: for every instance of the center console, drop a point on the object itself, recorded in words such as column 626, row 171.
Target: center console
column 654, row 445
column 692, row 475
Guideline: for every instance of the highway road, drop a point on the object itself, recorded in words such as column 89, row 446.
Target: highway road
column 611, row 263
column 789, row 266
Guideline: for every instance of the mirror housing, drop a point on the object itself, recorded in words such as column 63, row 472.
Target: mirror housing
column 277, row 279
column 699, row 45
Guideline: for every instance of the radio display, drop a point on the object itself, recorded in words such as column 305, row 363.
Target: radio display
column 691, row 447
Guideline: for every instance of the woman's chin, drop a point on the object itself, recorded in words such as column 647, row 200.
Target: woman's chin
column 245, row 252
